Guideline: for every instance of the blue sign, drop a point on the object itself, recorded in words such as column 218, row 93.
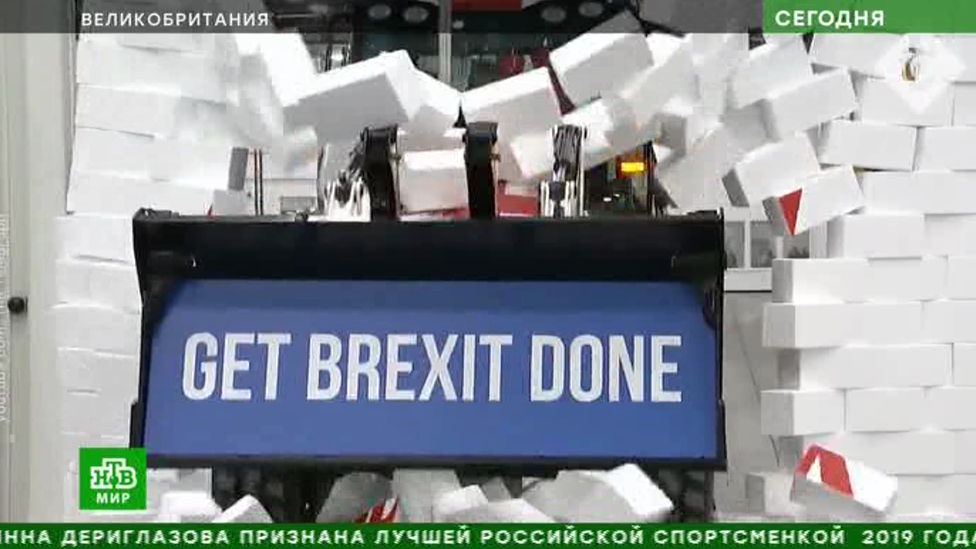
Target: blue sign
column 440, row 370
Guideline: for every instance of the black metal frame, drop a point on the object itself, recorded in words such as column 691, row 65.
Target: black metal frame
column 480, row 140
column 170, row 248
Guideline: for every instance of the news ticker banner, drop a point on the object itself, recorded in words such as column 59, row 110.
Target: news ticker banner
column 869, row 16
column 374, row 16
column 453, row 371
column 480, row 535
column 487, row 16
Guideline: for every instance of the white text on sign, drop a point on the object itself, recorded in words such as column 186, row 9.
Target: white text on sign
column 584, row 368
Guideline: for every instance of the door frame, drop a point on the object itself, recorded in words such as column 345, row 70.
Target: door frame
column 12, row 275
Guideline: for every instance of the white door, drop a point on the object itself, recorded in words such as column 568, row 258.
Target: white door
column 35, row 136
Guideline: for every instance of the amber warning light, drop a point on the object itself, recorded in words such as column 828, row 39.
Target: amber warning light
column 632, row 168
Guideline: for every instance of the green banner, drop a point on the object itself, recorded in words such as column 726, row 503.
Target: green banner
column 562, row 535
column 869, row 16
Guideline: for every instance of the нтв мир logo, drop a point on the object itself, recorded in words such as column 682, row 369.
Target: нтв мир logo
column 112, row 479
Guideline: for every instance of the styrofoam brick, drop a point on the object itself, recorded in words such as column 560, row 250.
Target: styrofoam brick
column 417, row 489
column 814, row 201
column 816, row 100
column 878, row 236
column 801, row 412
column 864, row 367
column 353, row 494
column 885, row 410
column 964, row 364
column 449, row 504
column 769, row 68
column 947, row 321
column 951, row 408
column 771, row 170
column 812, row 325
column 247, row 510
column 590, row 64
column 867, row 145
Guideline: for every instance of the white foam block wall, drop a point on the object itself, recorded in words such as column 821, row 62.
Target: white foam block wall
column 101, row 62
column 128, row 110
column 123, row 196
column 96, row 237
column 132, row 154
column 153, row 129
column 907, row 400
column 102, row 283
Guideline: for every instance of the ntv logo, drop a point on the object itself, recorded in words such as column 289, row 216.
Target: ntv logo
column 112, row 479
column 113, row 474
